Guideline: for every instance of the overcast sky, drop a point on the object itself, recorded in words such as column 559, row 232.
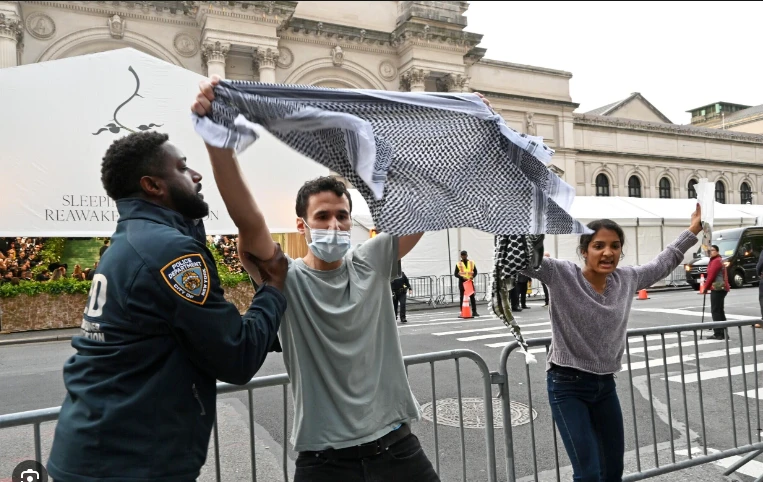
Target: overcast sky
column 679, row 55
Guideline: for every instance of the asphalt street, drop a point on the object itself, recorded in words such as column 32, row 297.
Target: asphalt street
column 30, row 377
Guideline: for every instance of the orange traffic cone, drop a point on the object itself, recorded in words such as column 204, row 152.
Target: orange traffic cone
column 702, row 284
column 466, row 307
column 642, row 295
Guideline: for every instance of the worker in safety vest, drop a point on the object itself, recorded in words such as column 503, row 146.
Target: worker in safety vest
column 466, row 270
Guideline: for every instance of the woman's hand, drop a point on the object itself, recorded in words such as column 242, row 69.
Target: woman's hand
column 696, row 221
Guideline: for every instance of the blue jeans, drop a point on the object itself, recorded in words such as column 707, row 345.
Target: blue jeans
column 588, row 415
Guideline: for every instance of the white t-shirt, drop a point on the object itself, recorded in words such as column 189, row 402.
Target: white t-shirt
column 342, row 351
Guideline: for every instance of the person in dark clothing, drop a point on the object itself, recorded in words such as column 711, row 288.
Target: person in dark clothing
column 157, row 331
column 718, row 284
column 466, row 270
column 104, row 247
column 521, row 286
column 400, row 289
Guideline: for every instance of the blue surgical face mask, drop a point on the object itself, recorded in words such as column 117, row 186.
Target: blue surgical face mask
column 329, row 245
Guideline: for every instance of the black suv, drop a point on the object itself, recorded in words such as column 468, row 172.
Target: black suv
column 739, row 248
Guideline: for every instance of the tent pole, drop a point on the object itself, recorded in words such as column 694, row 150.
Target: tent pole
column 450, row 263
column 637, row 243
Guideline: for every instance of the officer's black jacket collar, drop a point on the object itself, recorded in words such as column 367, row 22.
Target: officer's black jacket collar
column 135, row 208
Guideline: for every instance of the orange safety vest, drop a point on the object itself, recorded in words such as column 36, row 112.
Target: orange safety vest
column 466, row 272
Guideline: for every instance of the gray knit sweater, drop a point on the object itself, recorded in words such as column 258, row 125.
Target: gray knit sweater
column 587, row 328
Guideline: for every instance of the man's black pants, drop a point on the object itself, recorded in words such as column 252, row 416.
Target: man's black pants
column 400, row 298
column 404, row 461
column 522, row 292
column 717, row 299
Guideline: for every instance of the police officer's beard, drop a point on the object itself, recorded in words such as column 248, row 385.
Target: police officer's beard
column 190, row 206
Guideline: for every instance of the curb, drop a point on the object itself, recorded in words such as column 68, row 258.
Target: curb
column 38, row 339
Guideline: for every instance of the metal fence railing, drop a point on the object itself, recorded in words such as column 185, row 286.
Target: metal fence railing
column 36, row 417
column 448, row 292
column 677, row 277
column 685, row 411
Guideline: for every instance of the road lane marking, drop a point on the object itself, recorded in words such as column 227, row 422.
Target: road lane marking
column 493, row 328
column 668, row 311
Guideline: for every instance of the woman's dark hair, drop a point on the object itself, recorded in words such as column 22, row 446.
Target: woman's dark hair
column 596, row 226
column 715, row 247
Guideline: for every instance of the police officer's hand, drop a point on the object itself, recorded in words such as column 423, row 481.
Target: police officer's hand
column 272, row 271
column 203, row 103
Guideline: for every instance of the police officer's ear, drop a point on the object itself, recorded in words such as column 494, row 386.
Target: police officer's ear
column 152, row 186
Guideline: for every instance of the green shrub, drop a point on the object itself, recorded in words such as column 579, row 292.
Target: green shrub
column 227, row 279
column 51, row 252
column 68, row 286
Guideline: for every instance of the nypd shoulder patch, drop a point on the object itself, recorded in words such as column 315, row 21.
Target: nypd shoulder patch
column 188, row 277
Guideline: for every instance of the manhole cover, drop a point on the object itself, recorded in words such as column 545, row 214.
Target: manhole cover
column 474, row 413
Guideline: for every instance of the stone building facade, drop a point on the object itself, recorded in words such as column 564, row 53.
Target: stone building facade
column 405, row 45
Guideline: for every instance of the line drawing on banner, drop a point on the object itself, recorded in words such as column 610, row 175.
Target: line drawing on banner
column 115, row 128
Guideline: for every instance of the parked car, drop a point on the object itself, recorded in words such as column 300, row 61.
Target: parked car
column 739, row 249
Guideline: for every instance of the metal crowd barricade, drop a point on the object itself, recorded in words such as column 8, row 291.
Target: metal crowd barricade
column 644, row 425
column 751, row 444
column 677, row 277
column 36, row 417
column 424, row 290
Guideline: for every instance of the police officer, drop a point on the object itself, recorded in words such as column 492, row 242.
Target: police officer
column 400, row 289
column 466, row 270
column 157, row 332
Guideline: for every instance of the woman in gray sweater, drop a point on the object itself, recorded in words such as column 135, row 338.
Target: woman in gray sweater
column 589, row 316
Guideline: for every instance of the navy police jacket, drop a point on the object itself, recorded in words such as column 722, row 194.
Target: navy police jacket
column 156, row 335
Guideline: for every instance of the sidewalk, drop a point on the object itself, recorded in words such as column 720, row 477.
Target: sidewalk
column 39, row 336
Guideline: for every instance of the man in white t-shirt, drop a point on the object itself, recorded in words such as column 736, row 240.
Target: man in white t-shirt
column 352, row 401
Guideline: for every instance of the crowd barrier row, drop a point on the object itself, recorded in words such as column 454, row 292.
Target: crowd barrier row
column 643, row 415
column 443, row 290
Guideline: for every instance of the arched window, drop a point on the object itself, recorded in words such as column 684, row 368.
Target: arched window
column 602, row 185
column 720, row 192
column 692, row 189
column 746, row 193
column 664, row 188
column 634, row 187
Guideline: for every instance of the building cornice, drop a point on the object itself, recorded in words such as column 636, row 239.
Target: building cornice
column 525, row 98
column 526, row 68
column 274, row 13
column 329, row 34
column 146, row 11
column 187, row 14
column 652, row 157
column 414, row 34
column 660, row 128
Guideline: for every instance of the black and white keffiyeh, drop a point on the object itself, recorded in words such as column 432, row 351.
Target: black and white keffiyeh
column 512, row 255
column 408, row 155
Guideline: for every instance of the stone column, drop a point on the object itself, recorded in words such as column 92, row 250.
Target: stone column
column 413, row 80
column 455, row 82
column 213, row 55
column 265, row 59
column 10, row 37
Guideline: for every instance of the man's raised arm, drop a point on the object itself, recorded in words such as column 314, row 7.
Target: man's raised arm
column 254, row 235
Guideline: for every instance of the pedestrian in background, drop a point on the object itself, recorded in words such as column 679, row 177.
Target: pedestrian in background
column 717, row 283
column 401, row 287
